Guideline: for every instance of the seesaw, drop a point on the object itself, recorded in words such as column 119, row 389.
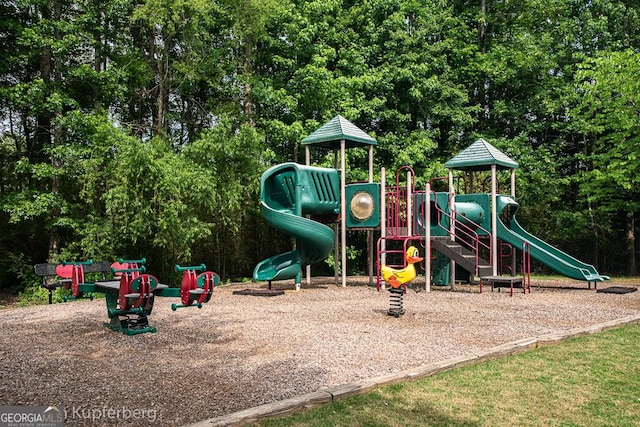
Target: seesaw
column 131, row 294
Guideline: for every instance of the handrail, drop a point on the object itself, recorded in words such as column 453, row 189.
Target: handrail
column 526, row 266
column 502, row 255
column 396, row 207
column 467, row 232
column 413, row 176
column 396, row 197
column 438, row 178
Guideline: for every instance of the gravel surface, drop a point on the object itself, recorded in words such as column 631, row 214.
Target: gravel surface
column 242, row 351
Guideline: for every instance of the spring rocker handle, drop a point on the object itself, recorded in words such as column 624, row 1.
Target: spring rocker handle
column 200, row 267
column 65, row 262
column 132, row 261
column 140, row 269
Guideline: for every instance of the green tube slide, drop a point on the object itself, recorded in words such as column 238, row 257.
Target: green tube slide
column 545, row 253
column 288, row 193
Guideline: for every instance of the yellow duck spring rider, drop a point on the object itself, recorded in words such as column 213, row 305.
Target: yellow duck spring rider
column 398, row 278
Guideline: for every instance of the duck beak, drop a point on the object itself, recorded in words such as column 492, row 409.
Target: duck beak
column 415, row 259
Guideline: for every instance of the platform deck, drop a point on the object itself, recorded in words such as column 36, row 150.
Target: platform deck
column 504, row 282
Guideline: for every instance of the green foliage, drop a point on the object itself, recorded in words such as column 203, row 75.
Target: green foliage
column 152, row 200
column 232, row 159
column 606, row 114
column 609, row 114
column 142, row 128
column 34, row 294
column 352, row 254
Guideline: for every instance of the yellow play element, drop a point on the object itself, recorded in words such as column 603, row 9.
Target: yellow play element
column 399, row 277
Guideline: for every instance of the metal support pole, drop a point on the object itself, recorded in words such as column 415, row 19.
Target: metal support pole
column 427, row 238
column 336, row 241
column 514, row 261
column 371, row 163
column 343, row 211
column 371, row 251
column 452, row 228
column 383, row 218
column 307, row 159
column 409, row 203
column 494, row 221
column 370, row 243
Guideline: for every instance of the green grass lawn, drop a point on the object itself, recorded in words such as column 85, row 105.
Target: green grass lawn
column 586, row 381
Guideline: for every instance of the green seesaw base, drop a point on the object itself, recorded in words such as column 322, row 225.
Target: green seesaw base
column 130, row 327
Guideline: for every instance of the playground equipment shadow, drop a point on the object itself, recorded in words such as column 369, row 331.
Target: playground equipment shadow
column 239, row 351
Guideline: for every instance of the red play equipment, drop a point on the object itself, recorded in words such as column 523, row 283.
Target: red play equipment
column 131, row 293
column 195, row 290
column 136, row 288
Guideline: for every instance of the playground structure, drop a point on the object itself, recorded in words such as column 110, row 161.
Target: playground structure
column 131, row 293
column 464, row 236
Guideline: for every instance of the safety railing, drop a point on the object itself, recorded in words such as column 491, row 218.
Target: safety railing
column 526, row 266
column 464, row 234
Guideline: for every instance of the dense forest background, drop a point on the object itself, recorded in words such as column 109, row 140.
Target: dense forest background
column 135, row 128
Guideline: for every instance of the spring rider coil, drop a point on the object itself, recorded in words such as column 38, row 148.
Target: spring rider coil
column 395, row 297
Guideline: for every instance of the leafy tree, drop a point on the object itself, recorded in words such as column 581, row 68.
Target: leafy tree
column 608, row 115
column 230, row 160
column 173, row 51
column 141, row 128
column 151, row 200
column 386, row 66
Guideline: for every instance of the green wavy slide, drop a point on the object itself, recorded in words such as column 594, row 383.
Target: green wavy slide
column 290, row 192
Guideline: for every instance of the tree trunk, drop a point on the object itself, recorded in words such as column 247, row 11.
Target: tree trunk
column 51, row 75
column 43, row 120
column 482, row 24
column 589, row 147
column 630, row 243
column 484, row 84
column 162, row 87
column 247, row 70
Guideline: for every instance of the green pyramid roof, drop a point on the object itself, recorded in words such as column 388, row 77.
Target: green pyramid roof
column 479, row 156
column 331, row 133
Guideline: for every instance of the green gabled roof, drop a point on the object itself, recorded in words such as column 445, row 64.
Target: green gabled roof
column 479, row 156
column 331, row 133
